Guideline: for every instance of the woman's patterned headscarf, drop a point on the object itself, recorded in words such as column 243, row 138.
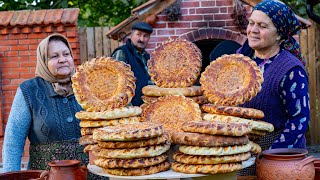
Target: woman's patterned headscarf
column 286, row 23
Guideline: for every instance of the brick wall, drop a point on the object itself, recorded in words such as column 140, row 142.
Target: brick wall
column 20, row 34
column 200, row 19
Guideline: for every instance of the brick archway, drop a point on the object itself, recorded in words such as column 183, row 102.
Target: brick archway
column 214, row 33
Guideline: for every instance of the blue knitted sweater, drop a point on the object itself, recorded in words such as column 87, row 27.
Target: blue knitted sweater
column 40, row 114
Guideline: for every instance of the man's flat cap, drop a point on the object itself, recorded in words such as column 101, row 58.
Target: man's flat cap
column 142, row 26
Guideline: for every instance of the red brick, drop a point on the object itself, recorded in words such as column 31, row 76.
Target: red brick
column 17, row 36
column 10, row 76
column 189, row 4
column 217, row 24
column 19, row 48
column 160, row 25
column 60, row 28
column 179, row 25
column 27, row 64
column 222, row 16
column 4, row 48
column 37, row 29
column 15, row 30
column 161, row 32
column 16, row 82
column 192, row 11
column 12, row 53
column 224, row 10
column 208, row 3
column 4, row 31
column 207, row 10
column 184, row 11
column 37, row 36
column 183, row 31
column 26, row 30
column 191, row 18
column 199, row 24
column 9, row 87
column 208, row 17
column 48, row 29
column 224, row 3
column 28, row 41
column 158, row 39
column 27, row 75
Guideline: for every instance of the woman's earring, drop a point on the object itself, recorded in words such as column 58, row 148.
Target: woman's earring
column 278, row 38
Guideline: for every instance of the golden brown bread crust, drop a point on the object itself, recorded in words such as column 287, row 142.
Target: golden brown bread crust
column 110, row 122
column 130, row 163
column 193, row 159
column 213, row 128
column 242, row 112
column 86, row 140
column 103, row 84
column 172, row 111
column 231, row 80
column 128, row 132
column 155, row 91
column 175, row 63
column 197, row 139
column 131, row 153
column 205, row 169
column 86, row 131
column 197, row 99
column 255, row 148
column 134, row 144
column 255, row 125
column 89, row 147
column 139, row 171
column 259, row 133
column 116, row 113
column 215, row 151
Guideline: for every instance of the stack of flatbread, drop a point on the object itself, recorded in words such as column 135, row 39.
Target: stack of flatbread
column 132, row 149
column 229, row 81
column 104, row 87
column 174, row 67
column 211, row 148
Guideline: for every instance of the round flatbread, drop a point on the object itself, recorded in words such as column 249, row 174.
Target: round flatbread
column 192, row 159
column 197, row 139
column 155, row 91
column 257, row 132
column 255, row 125
column 116, row 113
column 149, row 151
column 134, row 144
column 242, row 112
column 172, row 112
column 231, row 80
column 130, row 163
column 86, row 140
column 255, row 148
column 175, row 63
column 139, row 171
column 111, row 122
column 213, row 128
column 215, row 151
column 103, row 84
column 128, row 132
column 86, row 131
column 197, row 99
column 89, row 147
column 206, row 169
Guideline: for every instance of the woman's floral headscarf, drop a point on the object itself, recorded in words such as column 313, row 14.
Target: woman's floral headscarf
column 286, row 23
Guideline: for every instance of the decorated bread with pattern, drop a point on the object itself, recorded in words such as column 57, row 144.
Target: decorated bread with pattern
column 172, row 112
column 198, row 99
column 116, row 113
column 206, row 168
column 110, row 122
column 249, row 113
column 175, row 63
column 231, row 80
column 215, row 151
column 255, row 125
column 103, row 84
column 130, row 153
column 138, row 171
column 192, row 159
column 152, row 90
column 130, row 163
column 197, row 139
column 128, row 132
column 214, row 128
column 134, row 144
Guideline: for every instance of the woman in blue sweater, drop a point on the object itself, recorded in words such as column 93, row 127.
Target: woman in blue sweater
column 284, row 96
column 43, row 110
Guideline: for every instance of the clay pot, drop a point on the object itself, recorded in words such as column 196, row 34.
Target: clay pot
column 151, row 19
column 21, row 175
column 65, row 169
column 286, row 164
column 317, row 169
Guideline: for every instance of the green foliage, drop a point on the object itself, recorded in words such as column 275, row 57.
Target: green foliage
column 299, row 7
column 92, row 12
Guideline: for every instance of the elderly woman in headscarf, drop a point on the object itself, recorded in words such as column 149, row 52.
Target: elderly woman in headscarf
column 284, row 96
column 44, row 110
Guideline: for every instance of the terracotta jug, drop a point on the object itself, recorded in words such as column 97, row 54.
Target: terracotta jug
column 65, row 169
column 285, row 164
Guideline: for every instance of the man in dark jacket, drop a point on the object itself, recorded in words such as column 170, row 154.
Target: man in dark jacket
column 133, row 53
